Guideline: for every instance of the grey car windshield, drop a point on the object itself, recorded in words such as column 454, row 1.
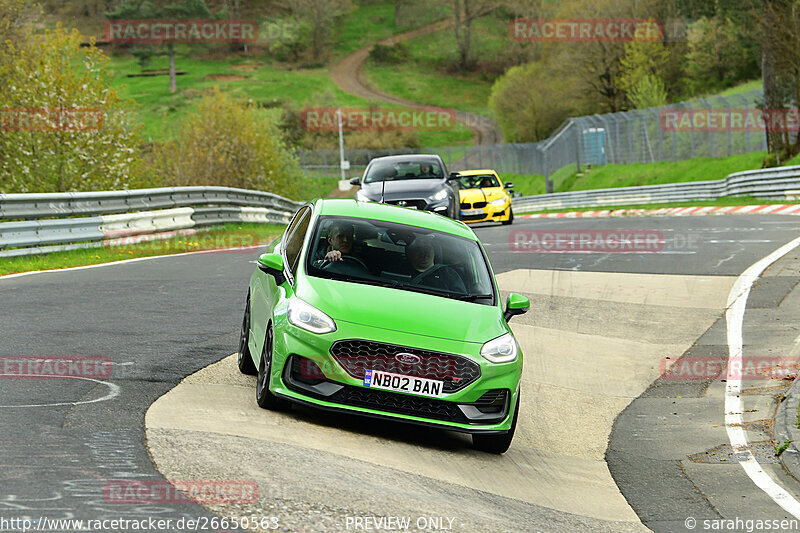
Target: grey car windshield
column 401, row 257
column 403, row 170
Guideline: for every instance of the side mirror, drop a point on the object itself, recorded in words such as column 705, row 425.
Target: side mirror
column 272, row 264
column 509, row 185
column 355, row 181
column 454, row 176
column 516, row 305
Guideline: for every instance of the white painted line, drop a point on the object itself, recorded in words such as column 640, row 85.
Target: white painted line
column 113, row 391
column 734, row 315
column 134, row 260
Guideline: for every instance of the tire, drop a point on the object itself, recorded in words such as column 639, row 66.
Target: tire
column 245, row 359
column 264, row 398
column 496, row 443
column 510, row 218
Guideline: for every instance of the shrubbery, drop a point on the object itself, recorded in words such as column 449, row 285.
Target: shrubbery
column 228, row 142
column 390, row 54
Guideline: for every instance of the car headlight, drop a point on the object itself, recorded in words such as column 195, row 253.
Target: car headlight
column 441, row 195
column 503, row 349
column 499, row 202
column 361, row 197
column 309, row 318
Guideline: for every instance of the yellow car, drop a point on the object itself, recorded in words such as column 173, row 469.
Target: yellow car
column 484, row 198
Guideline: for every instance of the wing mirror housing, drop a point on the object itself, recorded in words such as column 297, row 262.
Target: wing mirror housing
column 454, row 176
column 516, row 304
column 272, row 264
column 509, row 185
column 355, row 181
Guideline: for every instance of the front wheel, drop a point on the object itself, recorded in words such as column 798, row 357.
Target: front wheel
column 264, row 397
column 245, row 360
column 510, row 218
column 496, row 443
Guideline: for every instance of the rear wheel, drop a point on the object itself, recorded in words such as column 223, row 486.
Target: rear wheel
column 496, row 443
column 245, row 360
column 510, row 217
column 264, row 398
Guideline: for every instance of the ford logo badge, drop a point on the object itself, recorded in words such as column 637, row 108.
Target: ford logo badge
column 407, row 359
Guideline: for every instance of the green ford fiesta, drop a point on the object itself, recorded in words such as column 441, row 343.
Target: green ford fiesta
column 388, row 312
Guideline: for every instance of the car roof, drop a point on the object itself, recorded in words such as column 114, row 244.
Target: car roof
column 408, row 157
column 392, row 213
column 477, row 172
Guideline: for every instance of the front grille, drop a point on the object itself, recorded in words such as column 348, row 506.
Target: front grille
column 479, row 205
column 403, row 404
column 469, row 218
column 465, row 205
column 419, row 204
column 357, row 356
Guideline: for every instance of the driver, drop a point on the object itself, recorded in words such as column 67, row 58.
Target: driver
column 425, row 170
column 421, row 256
column 340, row 242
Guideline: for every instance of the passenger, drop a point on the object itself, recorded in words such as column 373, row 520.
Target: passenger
column 421, row 256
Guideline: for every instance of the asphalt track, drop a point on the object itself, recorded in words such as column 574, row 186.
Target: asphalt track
column 599, row 325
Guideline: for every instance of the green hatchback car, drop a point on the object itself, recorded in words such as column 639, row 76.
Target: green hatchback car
column 384, row 311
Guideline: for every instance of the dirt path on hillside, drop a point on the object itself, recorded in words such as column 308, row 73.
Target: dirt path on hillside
column 348, row 74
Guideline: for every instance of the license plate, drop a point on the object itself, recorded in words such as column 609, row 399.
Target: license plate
column 377, row 379
column 469, row 212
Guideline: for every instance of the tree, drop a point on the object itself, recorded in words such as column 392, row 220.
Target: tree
column 51, row 78
column 780, row 64
column 596, row 65
column 718, row 56
column 16, row 17
column 643, row 69
column 229, row 142
column 528, row 102
column 465, row 12
column 320, row 16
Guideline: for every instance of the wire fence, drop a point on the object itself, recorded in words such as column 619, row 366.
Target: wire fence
column 705, row 127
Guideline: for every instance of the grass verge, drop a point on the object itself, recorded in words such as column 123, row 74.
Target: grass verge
column 731, row 200
column 610, row 176
column 215, row 238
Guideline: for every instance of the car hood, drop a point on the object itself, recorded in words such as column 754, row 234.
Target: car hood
column 410, row 188
column 401, row 310
column 475, row 195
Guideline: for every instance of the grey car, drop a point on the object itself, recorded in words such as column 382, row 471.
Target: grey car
column 417, row 181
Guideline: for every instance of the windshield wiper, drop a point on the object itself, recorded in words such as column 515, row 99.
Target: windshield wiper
column 473, row 297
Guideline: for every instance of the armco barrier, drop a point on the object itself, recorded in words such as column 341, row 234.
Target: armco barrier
column 782, row 183
column 41, row 223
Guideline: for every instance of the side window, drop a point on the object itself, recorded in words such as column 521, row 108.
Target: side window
column 296, row 233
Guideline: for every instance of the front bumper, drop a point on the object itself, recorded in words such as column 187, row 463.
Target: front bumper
column 489, row 213
column 485, row 405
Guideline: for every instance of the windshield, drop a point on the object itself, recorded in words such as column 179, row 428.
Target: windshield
column 480, row 181
column 400, row 257
column 403, row 170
